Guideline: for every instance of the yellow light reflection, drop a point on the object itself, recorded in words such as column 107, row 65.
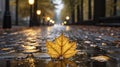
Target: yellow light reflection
column 100, row 58
column 62, row 23
column 29, row 47
column 48, row 30
column 67, row 28
column 31, row 62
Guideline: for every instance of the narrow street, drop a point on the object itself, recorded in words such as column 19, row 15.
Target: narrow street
column 92, row 41
column 59, row 33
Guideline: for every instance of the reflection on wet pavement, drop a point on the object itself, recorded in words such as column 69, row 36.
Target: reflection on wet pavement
column 15, row 46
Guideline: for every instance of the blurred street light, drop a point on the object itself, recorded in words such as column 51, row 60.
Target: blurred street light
column 65, row 22
column 38, row 12
column 48, row 18
column 53, row 22
column 67, row 17
column 31, row 2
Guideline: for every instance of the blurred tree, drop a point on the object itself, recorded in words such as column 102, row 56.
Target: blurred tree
column 109, row 9
column 78, row 13
column 81, row 8
column 115, row 7
column 44, row 5
column 69, row 9
column 70, row 4
column 99, row 10
column 89, row 9
column 16, row 10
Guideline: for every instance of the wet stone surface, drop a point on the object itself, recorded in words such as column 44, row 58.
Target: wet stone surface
column 16, row 46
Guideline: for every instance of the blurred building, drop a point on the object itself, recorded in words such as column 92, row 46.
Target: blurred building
column 2, row 7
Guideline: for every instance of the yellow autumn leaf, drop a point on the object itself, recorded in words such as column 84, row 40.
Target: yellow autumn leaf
column 61, row 47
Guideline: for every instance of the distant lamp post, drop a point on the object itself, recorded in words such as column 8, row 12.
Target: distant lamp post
column 48, row 18
column 53, row 22
column 7, row 17
column 65, row 22
column 31, row 2
column 67, row 19
column 38, row 13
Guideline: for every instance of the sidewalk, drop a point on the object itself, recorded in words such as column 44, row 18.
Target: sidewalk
column 13, row 29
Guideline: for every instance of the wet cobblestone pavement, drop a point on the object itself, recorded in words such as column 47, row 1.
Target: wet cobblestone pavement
column 91, row 41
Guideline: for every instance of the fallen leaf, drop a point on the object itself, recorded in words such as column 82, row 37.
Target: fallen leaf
column 61, row 47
